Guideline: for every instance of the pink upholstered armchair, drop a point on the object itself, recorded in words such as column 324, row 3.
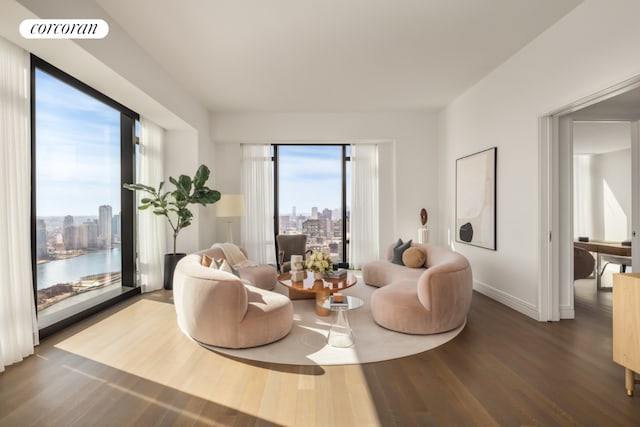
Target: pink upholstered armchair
column 214, row 307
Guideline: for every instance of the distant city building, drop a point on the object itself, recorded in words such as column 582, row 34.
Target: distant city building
column 68, row 233
column 58, row 243
column 116, row 230
column 68, row 221
column 41, row 239
column 311, row 227
column 91, row 228
column 320, row 227
column 104, row 225
column 328, row 228
column 337, row 229
column 336, row 248
column 76, row 237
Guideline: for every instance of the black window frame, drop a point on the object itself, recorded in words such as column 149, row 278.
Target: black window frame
column 128, row 118
column 276, row 194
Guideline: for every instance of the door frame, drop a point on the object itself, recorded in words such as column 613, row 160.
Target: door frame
column 555, row 183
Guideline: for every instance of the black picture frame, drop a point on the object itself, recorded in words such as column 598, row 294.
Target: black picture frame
column 476, row 199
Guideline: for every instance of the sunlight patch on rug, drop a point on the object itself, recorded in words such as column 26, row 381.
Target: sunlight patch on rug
column 307, row 344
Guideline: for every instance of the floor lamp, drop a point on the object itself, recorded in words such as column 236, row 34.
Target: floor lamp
column 230, row 206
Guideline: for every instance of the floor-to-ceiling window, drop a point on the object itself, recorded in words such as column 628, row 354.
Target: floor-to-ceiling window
column 83, row 150
column 311, row 196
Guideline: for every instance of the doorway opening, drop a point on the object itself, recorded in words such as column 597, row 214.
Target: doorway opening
column 566, row 194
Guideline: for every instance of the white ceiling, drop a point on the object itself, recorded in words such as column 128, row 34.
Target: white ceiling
column 601, row 137
column 331, row 55
column 625, row 106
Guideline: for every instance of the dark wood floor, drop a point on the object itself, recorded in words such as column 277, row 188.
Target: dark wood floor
column 503, row 369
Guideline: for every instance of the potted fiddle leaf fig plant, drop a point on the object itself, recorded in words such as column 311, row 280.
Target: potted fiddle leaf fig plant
column 174, row 206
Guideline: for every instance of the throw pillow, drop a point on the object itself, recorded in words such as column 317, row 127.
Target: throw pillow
column 396, row 258
column 206, row 260
column 223, row 265
column 414, row 257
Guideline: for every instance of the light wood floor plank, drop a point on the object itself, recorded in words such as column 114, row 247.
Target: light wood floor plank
column 131, row 365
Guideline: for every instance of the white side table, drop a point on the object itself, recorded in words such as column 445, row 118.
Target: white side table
column 340, row 333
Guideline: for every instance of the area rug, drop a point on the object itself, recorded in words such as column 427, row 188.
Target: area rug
column 307, row 344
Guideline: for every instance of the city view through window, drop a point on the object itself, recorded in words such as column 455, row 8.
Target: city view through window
column 310, row 196
column 78, row 184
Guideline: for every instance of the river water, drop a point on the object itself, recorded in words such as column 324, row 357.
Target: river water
column 72, row 269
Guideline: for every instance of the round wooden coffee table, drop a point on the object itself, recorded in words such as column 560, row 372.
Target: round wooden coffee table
column 321, row 288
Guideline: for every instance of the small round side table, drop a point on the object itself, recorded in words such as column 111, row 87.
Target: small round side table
column 340, row 333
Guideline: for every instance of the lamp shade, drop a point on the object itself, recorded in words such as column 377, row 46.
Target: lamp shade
column 230, row 205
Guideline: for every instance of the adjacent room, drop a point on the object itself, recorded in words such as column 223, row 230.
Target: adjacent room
column 319, row 213
column 602, row 210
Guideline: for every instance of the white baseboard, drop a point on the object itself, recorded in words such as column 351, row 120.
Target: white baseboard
column 510, row 301
column 567, row 313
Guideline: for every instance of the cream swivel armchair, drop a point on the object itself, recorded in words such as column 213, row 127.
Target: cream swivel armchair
column 215, row 308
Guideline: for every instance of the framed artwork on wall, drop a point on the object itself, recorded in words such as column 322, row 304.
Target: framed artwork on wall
column 476, row 199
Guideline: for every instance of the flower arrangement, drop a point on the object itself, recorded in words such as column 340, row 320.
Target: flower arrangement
column 318, row 262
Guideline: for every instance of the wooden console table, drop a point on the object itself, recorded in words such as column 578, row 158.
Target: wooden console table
column 626, row 326
column 602, row 248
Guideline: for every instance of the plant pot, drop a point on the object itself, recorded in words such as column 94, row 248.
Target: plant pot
column 318, row 275
column 170, row 261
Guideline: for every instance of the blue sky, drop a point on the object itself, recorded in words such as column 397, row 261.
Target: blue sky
column 78, row 158
column 309, row 176
column 77, row 151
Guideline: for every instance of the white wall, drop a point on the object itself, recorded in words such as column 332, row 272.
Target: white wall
column 588, row 50
column 227, row 174
column 408, row 157
column 602, row 196
column 611, row 189
column 181, row 157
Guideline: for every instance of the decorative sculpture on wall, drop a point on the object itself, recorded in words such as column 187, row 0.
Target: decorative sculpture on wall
column 423, row 232
column 424, row 216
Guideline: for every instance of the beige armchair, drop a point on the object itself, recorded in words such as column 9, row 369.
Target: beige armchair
column 215, row 308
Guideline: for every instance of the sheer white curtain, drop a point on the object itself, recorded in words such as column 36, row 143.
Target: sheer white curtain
column 364, row 223
column 18, row 325
column 257, row 187
column 151, row 228
column 582, row 200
